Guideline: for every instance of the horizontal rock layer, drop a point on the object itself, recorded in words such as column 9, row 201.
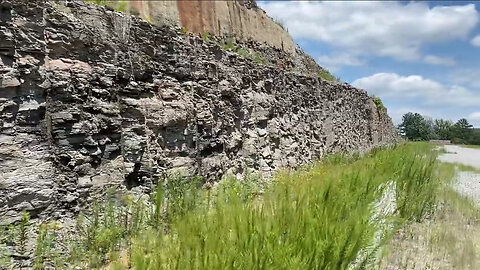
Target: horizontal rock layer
column 91, row 98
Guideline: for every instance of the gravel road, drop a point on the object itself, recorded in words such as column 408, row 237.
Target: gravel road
column 468, row 183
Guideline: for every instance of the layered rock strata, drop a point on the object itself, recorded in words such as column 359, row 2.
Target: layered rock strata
column 90, row 98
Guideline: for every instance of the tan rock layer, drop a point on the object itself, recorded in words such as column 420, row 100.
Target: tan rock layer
column 221, row 18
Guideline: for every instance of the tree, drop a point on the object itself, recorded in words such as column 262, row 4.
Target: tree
column 443, row 129
column 475, row 137
column 416, row 127
column 462, row 131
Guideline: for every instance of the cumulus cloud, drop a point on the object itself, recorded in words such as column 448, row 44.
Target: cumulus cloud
column 381, row 28
column 426, row 91
column 475, row 116
column 476, row 41
column 466, row 76
column 334, row 62
column 437, row 60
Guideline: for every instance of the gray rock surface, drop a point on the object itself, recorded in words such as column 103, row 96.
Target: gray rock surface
column 91, row 98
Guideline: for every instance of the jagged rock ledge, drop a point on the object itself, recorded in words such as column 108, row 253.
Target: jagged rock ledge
column 90, row 98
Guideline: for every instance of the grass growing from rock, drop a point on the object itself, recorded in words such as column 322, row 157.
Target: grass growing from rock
column 324, row 216
column 326, row 75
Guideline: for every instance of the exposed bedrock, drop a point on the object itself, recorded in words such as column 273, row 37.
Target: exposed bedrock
column 91, row 98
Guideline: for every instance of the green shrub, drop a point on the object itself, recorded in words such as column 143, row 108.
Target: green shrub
column 326, row 75
column 378, row 102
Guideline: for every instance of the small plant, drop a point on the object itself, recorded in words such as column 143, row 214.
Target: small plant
column 183, row 31
column 259, row 58
column 206, row 36
column 230, row 46
column 23, row 231
column 44, row 250
column 98, row 2
column 149, row 20
column 378, row 102
column 5, row 257
column 243, row 52
column 326, row 75
column 120, row 6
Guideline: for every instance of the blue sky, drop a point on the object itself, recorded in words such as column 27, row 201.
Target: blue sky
column 417, row 56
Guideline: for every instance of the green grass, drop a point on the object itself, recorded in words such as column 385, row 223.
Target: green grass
column 120, row 6
column 320, row 217
column 323, row 216
column 243, row 52
column 230, row 46
column 326, row 75
column 317, row 218
column 472, row 146
column 259, row 57
column 206, row 36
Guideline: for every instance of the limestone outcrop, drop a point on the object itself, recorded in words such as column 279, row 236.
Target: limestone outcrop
column 90, row 98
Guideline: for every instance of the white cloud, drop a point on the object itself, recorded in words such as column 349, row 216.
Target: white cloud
column 475, row 116
column 437, row 60
column 469, row 77
column 333, row 63
column 415, row 87
column 476, row 41
column 381, row 28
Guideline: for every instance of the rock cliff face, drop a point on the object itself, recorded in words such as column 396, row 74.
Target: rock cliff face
column 240, row 19
column 91, row 98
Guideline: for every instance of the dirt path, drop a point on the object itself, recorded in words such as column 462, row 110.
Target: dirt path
column 467, row 183
column 462, row 155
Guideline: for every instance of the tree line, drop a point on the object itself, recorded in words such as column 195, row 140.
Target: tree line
column 415, row 127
